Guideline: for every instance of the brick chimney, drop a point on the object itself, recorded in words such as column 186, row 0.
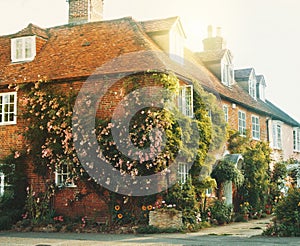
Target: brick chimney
column 82, row 11
column 213, row 43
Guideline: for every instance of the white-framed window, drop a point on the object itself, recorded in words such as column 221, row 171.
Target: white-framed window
column 225, row 110
column 8, row 108
column 2, row 183
column 63, row 175
column 242, row 123
column 227, row 71
column 176, row 47
column 252, row 88
column 185, row 100
column 277, row 134
column 23, row 49
column 209, row 192
column 255, row 127
column 182, row 172
column 296, row 139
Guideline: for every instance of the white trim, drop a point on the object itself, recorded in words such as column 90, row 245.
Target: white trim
column 22, row 41
column 296, row 139
column 277, row 142
column 2, row 109
column 176, row 45
column 252, row 85
column 2, row 183
column 184, row 98
column 182, row 172
column 60, row 179
column 227, row 70
column 243, row 129
column 252, row 125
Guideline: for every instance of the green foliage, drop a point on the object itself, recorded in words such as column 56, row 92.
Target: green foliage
column 287, row 214
column 226, row 170
column 278, row 174
column 256, row 171
column 221, row 212
column 184, row 196
column 49, row 135
column 38, row 205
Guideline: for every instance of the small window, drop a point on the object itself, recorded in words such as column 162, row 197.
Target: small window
column 8, row 108
column 2, row 183
column 252, row 88
column 255, row 128
column 185, row 100
column 176, row 47
column 209, row 192
column 227, row 73
column 63, row 175
column 225, row 110
column 182, row 172
column 23, row 49
column 277, row 135
column 296, row 139
column 242, row 123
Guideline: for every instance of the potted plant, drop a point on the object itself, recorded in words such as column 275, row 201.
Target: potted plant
column 244, row 210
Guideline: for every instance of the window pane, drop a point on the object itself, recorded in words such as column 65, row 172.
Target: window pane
column 11, row 117
column 19, row 49
column 12, row 98
column 28, row 46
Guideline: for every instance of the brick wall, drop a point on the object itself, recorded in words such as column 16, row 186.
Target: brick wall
column 81, row 11
column 233, row 110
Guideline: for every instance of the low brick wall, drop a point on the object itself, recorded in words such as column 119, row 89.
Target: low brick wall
column 164, row 218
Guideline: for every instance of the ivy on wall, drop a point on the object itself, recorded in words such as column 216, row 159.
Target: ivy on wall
column 49, row 134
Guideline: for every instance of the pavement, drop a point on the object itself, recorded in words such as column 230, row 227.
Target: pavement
column 241, row 229
column 242, row 233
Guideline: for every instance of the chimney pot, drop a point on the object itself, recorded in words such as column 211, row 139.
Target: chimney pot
column 209, row 31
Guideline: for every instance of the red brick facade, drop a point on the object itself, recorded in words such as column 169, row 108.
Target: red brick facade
column 68, row 55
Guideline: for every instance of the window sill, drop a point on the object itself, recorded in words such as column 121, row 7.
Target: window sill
column 8, row 123
column 66, row 186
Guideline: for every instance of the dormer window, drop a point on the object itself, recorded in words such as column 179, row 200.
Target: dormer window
column 176, row 48
column 23, row 49
column 227, row 72
column 252, row 86
column 185, row 100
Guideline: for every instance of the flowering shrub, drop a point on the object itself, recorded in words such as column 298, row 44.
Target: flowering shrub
column 50, row 137
column 221, row 212
column 287, row 216
column 245, row 208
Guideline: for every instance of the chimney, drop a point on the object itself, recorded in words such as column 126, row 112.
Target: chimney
column 218, row 32
column 209, row 31
column 82, row 11
column 213, row 43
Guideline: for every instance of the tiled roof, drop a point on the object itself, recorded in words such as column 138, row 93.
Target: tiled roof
column 261, row 79
column 76, row 51
column 278, row 114
column 116, row 46
column 159, row 25
column 212, row 55
column 32, row 30
column 242, row 74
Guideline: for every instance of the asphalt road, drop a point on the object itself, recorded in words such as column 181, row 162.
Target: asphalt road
column 234, row 234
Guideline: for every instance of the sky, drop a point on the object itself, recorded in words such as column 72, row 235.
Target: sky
column 263, row 34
